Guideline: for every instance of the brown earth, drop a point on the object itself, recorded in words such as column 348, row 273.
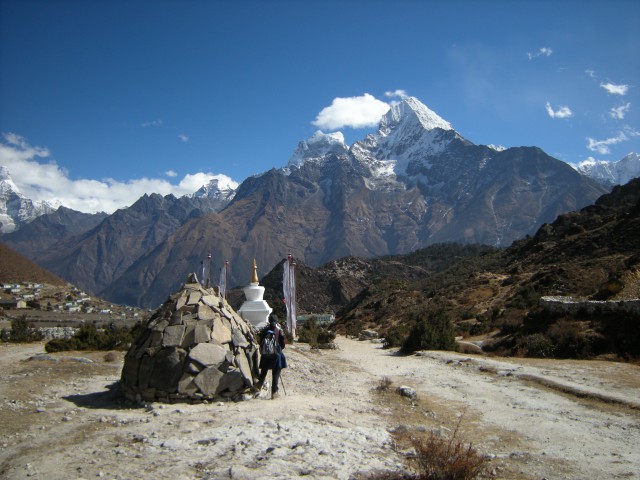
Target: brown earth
column 62, row 418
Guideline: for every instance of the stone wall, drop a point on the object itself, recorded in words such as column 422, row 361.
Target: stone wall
column 572, row 306
column 50, row 333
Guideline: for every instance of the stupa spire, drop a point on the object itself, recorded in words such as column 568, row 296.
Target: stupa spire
column 254, row 276
column 255, row 309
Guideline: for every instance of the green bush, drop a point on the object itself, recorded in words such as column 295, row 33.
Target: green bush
column 22, row 331
column 353, row 329
column 88, row 337
column 537, row 345
column 433, row 331
column 396, row 336
column 315, row 334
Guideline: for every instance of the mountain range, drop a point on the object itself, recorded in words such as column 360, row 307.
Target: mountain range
column 413, row 183
column 15, row 209
column 611, row 173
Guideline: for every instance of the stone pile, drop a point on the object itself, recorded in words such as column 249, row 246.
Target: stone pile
column 195, row 347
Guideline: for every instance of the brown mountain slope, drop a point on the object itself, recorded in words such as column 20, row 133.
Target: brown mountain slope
column 591, row 254
column 16, row 268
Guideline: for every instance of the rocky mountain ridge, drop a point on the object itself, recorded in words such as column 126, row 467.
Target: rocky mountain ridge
column 414, row 183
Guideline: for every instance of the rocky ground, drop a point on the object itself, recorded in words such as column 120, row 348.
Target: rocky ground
column 62, row 418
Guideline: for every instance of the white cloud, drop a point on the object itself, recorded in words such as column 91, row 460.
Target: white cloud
column 620, row 112
column 48, row 181
column 396, row 94
column 353, row 112
column 615, row 89
column 544, row 51
column 591, row 73
column 602, row 146
column 183, row 137
column 562, row 112
column 171, row 173
column 152, row 123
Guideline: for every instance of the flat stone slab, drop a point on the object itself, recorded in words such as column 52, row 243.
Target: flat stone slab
column 242, row 362
column 206, row 313
column 201, row 334
column 186, row 385
column 208, row 381
column 238, row 338
column 221, row 333
column 211, row 300
column 194, row 298
column 173, row 336
column 232, row 381
column 208, row 354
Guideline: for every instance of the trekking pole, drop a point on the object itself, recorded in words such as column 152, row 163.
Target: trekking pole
column 283, row 387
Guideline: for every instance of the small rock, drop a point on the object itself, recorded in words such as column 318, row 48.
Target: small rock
column 407, row 392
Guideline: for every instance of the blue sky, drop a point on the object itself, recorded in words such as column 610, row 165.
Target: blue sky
column 102, row 101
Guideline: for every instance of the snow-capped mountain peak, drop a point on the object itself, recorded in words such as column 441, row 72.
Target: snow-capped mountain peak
column 6, row 182
column 15, row 209
column 613, row 173
column 408, row 111
column 319, row 145
column 217, row 188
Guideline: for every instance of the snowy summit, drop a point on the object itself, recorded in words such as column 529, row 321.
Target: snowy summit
column 318, row 146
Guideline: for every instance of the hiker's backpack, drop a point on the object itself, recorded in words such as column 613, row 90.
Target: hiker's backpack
column 269, row 345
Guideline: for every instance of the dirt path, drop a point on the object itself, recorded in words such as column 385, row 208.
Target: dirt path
column 62, row 418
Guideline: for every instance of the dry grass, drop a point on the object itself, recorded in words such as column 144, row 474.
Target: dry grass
column 385, row 384
column 109, row 357
column 451, row 458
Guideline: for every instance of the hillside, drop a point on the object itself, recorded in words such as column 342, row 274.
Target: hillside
column 591, row 254
column 16, row 268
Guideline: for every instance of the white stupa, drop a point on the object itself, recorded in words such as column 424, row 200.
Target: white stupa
column 255, row 310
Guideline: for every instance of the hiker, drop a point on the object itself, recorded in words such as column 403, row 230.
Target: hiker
column 272, row 342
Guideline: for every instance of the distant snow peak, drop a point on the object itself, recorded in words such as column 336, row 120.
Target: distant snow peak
column 408, row 111
column 614, row 173
column 15, row 209
column 319, row 145
column 497, row 148
column 217, row 188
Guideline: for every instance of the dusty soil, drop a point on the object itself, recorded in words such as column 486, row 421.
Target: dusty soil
column 62, row 418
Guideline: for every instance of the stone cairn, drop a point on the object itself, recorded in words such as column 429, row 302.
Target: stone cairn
column 195, row 347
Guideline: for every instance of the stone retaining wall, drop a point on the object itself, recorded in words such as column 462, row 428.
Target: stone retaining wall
column 570, row 305
column 50, row 333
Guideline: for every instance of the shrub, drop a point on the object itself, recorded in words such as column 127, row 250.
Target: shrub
column 315, row 334
column 384, row 384
column 447, row 459
column 88, row 337
column 109, row 357
column 396, row 336
column 22, row 331
column 537, row 345
column 569, row 340
column 433, row 331
column 353, row 329
column 526, row 297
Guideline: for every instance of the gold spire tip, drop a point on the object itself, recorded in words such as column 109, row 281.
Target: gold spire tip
column 254, row 277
